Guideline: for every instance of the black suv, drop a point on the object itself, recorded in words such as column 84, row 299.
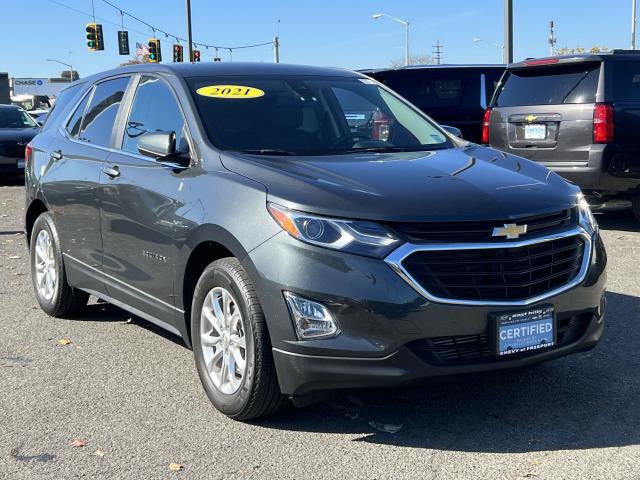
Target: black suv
column 233, row 205
column 577, row 115
column 453, row 95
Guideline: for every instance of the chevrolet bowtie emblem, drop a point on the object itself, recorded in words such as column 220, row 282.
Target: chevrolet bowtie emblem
column 530, row 118
column 510, row 231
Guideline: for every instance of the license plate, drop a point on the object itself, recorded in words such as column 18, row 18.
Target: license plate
column 524, row 331
column 20, row 164
column 535, row 131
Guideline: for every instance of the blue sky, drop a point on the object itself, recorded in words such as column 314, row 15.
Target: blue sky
column 326, row 32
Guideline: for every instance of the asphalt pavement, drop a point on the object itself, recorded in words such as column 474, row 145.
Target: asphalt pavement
column 128, row 397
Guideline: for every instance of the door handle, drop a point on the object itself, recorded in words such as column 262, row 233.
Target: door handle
column 112, row 172
column 56, row 155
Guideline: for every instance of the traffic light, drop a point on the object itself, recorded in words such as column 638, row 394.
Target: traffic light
column 217, row 59
column 196, row 56
column 123, row 42
column 94, row 37
column 177, row 53
column 155, row 54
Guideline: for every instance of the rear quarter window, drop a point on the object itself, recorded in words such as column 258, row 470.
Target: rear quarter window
column 62, row 105
column 550, row 86
column 626, row 81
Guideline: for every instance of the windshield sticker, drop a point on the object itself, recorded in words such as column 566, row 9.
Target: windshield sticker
column 230, row 91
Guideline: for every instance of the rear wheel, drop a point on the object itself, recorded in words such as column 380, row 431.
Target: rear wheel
column 54, row 294
column 231, row 343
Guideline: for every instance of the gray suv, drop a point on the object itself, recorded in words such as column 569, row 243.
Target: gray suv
column 234, row 206
column 577, row 115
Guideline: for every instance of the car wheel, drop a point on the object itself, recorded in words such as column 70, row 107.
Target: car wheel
column 635, row 203
column 55, row 296
column 231, row 343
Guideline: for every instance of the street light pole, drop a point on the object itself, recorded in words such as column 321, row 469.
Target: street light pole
column 189, row 37
column 65, row 64
column 406, row 33
column 501, row 47
column 633, row 24
column 508, row 30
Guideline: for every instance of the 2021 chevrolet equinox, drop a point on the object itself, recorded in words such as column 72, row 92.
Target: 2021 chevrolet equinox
column 297, row 252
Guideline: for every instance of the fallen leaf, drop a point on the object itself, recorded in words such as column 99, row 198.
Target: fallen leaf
column 175, row 467
column 64, row 341
column 77, row 443
column 100, row 453
column 386, row 427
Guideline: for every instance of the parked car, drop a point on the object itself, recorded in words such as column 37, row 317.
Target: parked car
column 232, row 205
column 453, row 95
column 577, row 115
column 17, row 129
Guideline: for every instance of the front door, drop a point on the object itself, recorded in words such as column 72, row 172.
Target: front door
column 140, row 196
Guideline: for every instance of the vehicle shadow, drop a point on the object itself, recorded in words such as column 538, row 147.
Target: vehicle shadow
column 584, row 401
column 101, row 311
column 12, row 181
column 623, row 220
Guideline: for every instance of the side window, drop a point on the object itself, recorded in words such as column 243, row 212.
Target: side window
column 61, row 105
column 75, row 122
column 154, row 109
column 626, row 82
column 101, row 113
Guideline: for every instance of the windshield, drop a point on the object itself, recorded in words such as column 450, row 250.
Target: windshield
column 307, row 115
column 15, row 118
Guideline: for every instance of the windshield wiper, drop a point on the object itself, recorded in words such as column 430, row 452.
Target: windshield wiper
column 266, row 151
column 389, row 148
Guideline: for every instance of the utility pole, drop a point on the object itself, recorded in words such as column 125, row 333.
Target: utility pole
column 189, row 36
column 633, row 24
column 552, row 38
column 438, row 47
column 508, row 30
column 276, row 49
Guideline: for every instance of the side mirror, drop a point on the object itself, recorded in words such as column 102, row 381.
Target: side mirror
column 157, row 145
column 452, row 130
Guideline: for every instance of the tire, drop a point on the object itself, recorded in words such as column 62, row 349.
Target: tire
column 61, row 299
column 256, row 393
column 635, row 204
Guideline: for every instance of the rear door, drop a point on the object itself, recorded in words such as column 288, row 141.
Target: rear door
column 623, row 88
column 70, row 180
column 545, row 113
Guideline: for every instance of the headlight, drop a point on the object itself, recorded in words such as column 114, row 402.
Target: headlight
column 353, row 236
column 587, row 220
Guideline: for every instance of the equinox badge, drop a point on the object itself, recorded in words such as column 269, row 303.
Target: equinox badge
column 510, row 231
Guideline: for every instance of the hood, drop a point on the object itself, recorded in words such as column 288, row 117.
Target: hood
column 470, row 183
column 18, row 134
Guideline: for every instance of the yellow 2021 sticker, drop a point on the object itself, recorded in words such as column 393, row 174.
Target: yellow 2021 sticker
column 230, row 91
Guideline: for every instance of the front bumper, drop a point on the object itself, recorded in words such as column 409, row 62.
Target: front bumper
column 383, row 320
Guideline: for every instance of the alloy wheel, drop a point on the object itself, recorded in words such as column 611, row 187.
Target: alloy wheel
column 223, row 341
column 45, row 265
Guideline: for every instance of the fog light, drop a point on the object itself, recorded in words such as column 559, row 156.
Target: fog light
column 312, row 319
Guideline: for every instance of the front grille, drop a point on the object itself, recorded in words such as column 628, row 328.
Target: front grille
column 497, row 274
column 481, row 231
column 11, row 150
column 467, row 349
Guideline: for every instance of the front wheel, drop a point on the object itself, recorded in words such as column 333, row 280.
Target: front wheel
column 231, row 343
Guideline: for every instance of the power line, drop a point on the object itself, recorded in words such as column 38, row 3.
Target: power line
column 178, row 38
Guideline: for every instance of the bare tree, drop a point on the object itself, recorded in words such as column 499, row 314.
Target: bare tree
column 418, row 59
column 136, row 60
column 578, row 49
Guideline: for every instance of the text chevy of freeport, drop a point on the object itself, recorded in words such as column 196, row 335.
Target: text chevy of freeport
column 295, row 249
